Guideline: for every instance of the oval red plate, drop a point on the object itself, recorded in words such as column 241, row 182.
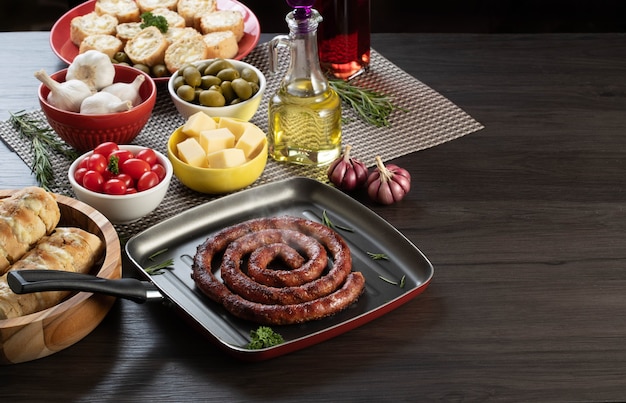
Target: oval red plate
column 63, row 47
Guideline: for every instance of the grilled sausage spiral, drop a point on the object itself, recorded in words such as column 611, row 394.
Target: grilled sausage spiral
column 310, row 288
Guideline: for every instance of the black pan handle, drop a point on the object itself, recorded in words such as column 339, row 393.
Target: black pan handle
column 27, row 281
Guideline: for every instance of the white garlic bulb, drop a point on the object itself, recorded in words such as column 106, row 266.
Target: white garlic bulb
column 67, row 95
column 127, row 91
column 94, row 68
column 102, row 103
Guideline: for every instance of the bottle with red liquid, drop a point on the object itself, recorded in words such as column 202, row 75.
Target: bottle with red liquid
column 344, row 37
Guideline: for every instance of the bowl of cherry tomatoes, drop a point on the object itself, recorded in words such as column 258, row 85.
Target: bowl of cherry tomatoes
column 123, row 182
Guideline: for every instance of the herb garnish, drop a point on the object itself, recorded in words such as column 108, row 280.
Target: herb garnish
column 377, row 256
column 43, row 141
column 400, row 284
column 150, row 20
column 372, row 106
column 159, row 267
column 264, row 337
column 327, row 222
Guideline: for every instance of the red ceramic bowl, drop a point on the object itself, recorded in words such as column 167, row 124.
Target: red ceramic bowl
column 85, row 132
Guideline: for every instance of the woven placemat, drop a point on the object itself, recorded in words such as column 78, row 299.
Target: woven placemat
column 423, row 119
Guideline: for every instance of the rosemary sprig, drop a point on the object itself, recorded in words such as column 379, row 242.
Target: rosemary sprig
column 377, row 256
column 327, row 222
column 399, row 284
column 372, row 106
column 159, row 268
column 43, row 140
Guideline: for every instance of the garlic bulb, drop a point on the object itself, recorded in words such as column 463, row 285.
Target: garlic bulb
column 67, row 95
column 127, row 91
column 94, row 68
column 103, row 102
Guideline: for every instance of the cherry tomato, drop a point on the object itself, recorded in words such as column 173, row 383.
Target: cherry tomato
column 134, row 167
column 122, row 155
column 148, row 155
column 148, row 180
column 114, row 186
column 128, row 181
column 97, row 162
column 79, row 174
column 130, row 191
column 93, row 181
column 105, row 148
column 83, row 163
column 159, row 170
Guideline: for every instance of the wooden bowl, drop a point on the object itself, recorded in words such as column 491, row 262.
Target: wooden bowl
column 46, row 332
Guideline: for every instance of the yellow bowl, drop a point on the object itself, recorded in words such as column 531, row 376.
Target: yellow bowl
column 215, row 180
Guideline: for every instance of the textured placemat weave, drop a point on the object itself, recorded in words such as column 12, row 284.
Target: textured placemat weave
column 423, row 119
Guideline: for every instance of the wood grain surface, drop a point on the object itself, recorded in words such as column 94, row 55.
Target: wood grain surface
column 524, row 222
column 46, row 332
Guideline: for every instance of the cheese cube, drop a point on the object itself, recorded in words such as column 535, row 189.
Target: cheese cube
column 236, row 127
column 198, row 122
column 227, row 158
column 251, row 141
column 216, row 139
column 190, row 151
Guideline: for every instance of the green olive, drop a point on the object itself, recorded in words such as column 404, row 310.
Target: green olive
column 228, row 74
column 192, row 76
column 227, row 91
column 178, row 81
column 203, row 66
column 208, row 81
column 217, row 66
column 121, row 57
column 255, row 88
column 249, row 75
column 142, row 67
column 159, row 70
column 242, row 88
column 211, row 98
column 186, row 92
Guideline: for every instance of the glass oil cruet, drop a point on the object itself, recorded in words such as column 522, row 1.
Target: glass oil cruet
column 305, row 113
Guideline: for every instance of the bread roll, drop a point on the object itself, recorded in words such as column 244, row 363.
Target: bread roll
column 91, row 24
column 107, row 44
column 223, row 20
column 123, row 10
column 192, row 10
column 127, row 31
column 185, row 51
column 221, row 45
column 172, row 17
column 68, row 249
column 25, row 217
column 147, row 47
column 174, row 34
column 149, row 5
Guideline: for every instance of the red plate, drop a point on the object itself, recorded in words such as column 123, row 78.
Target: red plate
column 63, row 47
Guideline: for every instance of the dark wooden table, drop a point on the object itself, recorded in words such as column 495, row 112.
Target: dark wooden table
column 524, row 222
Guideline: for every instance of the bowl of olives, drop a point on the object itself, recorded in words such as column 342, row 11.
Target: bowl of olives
column 218, row 87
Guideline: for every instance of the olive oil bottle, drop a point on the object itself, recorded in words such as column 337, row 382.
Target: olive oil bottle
column 305, row 113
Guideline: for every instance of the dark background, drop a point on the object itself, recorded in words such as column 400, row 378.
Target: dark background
column 477, row 16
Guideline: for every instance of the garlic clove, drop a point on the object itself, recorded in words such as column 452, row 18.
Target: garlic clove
column 127, row 91
column 67, row 95
column 103, row 103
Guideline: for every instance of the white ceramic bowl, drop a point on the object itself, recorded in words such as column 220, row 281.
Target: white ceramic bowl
column 124, row 209
column 244, row 110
